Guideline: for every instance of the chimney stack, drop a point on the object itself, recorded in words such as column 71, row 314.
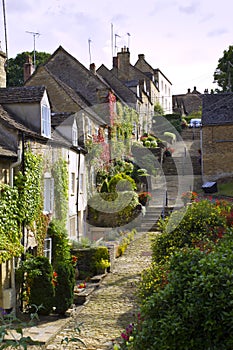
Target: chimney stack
column 3, row 62
column 141, row 56
column 123, row 63
column 115, row 62
column 93, row 68
column 28, row 68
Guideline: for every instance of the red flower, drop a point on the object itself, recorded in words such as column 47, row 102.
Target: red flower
column 54, row 279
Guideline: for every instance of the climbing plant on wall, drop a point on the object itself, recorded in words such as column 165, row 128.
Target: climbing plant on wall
column 28, row 182
column 121, row 133
column 20, row 204
column 10, row 233
column 61, row 189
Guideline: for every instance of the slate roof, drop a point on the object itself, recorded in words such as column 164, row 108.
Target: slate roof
column 217, row 109
column 187, row 103
column 71, row 72
column 25, row 94
column 151, row 71
column 64, row 118
column 79, row 83
column 122, row 90
column 4, row 152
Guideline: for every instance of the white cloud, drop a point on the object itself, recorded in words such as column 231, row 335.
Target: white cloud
column 183, row 39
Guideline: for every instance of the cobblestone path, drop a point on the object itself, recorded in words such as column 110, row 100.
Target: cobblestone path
column 113, row 305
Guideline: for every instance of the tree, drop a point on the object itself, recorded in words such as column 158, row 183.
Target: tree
column 223, row 74
column 15, row 66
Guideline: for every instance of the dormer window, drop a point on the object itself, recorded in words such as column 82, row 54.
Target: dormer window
column 46, row 121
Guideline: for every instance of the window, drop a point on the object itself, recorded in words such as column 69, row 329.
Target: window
column 48, row 248
column 74, row 135
column 106, row 136
column 89, row 130
column 73, row 227
column 81, row 183
column 48, row 193
column 46, row 121
column 161, row 85
column 72, row 183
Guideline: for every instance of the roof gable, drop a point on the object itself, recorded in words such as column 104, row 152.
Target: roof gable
column 25, row 94
column 71, row 72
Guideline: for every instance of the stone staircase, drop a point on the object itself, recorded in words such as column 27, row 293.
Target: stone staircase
column 149, row 221
column 177, row 174
column 150, row 218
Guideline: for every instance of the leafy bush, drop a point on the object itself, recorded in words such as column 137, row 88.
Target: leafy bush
column 38, row 279
column 198, row 222
column 64, row 287
column 60, row 243
column 113, row 209
column 191, row 308
column 100, row 258
column 121, row 182
column 104, row 186
column 170, row 136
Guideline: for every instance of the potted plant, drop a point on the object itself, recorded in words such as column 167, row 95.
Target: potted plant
column 144, row 198
column 188, row 197
column 101, row 266
column 169, row 151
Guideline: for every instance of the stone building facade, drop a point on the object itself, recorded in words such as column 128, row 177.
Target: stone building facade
column 217, row 136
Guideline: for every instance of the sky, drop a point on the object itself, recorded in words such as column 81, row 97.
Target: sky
column 184, row 39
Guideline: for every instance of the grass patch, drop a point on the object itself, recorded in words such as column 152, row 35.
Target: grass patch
column 226, row 189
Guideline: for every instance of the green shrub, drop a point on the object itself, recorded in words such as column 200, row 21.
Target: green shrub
column 99, row 258
column 153, row 144
column 60, row 242
column 121, row 182
column 104, row 186
column 147, row 143
column 64, row 287
column 169, row 136
column 113, row 209
column 39, row 282
column 192, row 307
column 187, row 227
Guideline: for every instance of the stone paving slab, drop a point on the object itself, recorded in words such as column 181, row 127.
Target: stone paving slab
column 108, row 311
column 113, row 305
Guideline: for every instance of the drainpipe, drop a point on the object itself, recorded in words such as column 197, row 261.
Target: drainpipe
column 78, row 193
column 14, row 165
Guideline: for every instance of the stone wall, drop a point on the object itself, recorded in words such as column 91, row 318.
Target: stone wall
column 2, row 70
column 217, row 152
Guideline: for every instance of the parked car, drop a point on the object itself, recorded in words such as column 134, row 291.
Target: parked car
column 195, row 123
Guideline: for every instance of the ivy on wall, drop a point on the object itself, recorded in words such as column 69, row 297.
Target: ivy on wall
column 28, row 183
column 20, row 204
column 10, row 233
column 61, row 189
